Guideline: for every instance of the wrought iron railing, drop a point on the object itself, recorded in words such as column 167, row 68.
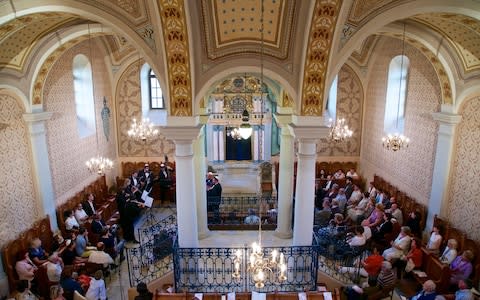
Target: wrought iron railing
column 334, row 253
column 153, row 258
column 211, row 269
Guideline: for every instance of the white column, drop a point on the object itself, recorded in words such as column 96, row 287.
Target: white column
column 183, row 138
column 441, row 168
column 215, row 144
column 285, row 184
column 256, row 143
column 43, row 175
column 221, row 144
column 200, row 188
column 307, row 136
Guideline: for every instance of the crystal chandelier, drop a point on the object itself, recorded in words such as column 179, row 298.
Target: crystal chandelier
column 142, row 130
column 339, row 130
column 97, row 164
column 397, row 141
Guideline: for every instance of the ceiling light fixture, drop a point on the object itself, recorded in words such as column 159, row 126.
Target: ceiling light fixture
column 339, row 130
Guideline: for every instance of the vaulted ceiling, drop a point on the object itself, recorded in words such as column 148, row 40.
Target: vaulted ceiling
column 224, row 29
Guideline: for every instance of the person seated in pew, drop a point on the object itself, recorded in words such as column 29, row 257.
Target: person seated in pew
column 70, row 221
column 69, row 284
column 25, row 267
column 69, row 255
column 370, row 266
column 461, row 267
column 112, row 247
column 58, row 242
column 99, row 256
column 352, row 173
column 435, row 241
column 450, row 252
column 80, row 214
column 82, row 242
column 358, row 239
column 54, row 267
column 428, row 292
column 411, row 261
column 143, row 292
column 252, row 217
column 399, row 246
column 98, row 224
column 89, row 205
column 23, row 291
column 36, row 252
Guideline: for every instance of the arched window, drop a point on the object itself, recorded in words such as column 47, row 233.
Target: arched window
column 156, row 95
column 396, row 95
column 83, row 90
column 332, row 100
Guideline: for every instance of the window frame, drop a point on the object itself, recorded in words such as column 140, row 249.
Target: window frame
column 151, row 75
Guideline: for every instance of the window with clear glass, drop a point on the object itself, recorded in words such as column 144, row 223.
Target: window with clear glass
column 156, row 94
column 83, row 93
column 332, row 99
column 396, row 95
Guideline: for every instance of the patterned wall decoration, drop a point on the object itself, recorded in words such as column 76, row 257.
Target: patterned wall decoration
column 66, row 149
column 409, row 169
column 363, row 56
column 462, row 33
column 349, row 106
column 38, row 86
column 174, row 25
column 128, row 106
column 20, row 36
column 318, row 49
column 17, row 188
column 463, row 199
column 118, row 48
column 437, row 65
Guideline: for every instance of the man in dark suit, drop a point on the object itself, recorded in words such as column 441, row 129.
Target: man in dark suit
column 89, row 205
column 146, row 176
column 165, row 182
column 214, row 195
column 98, row 224
column 349, row 188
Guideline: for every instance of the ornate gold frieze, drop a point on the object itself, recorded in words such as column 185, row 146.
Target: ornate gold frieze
column 318, row 49
column 174, row 25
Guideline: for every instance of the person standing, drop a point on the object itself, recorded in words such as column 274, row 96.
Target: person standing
column 165, row 182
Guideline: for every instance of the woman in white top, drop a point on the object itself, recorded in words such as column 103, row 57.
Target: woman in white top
column 433, row 245
column 70, row 221
column 399, row 246
column 80, row 214
column 97, row 288
column 450, row 252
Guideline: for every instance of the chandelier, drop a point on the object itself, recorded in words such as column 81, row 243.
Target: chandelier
column 397, row 141
column 142, row 130
column 97, row 164
column 339, row 130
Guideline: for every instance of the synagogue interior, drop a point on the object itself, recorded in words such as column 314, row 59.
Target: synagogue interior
column 171, row 134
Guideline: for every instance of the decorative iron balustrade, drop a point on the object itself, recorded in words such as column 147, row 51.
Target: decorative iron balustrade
column 211, row 269
column 153, row 258
column 232, row 210
column 334, row 253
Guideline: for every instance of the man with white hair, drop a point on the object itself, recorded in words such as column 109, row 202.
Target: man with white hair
column 427, row 292
column 54, row 267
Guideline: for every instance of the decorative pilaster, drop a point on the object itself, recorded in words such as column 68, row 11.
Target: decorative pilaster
column 305, row 184
column 43, row 175
column 183, row 138
column 285, row 179
column 200, row 189
column 443, row 160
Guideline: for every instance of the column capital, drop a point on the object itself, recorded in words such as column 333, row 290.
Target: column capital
column 36, row 117
column 447, row 118
column 283, row 120
column 310, row 133
column 181, row 134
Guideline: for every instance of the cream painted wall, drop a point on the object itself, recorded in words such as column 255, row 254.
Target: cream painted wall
column 463, row 199
column 68, row 152
column 409, row 169
column 18, row 207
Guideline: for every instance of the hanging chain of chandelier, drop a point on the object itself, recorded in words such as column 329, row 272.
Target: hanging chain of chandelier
column 142, row 130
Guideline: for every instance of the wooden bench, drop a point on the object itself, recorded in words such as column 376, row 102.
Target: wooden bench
column 245, row 296
column 40, row 229
column 436, row 271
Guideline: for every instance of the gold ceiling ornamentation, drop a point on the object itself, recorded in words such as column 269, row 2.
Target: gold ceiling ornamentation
column 20, row 36
column 172, row 14
column 287, row 100
column 462, row 32
column 37, row 95
column 445, row 85
column 362, row 58
column 318, row 49
column 232, row 27
column 117, row 48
